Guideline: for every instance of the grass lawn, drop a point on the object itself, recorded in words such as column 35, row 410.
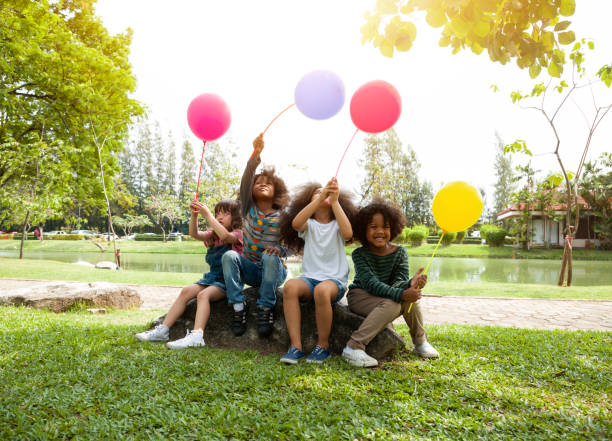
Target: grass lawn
column 52, row 270
column 195, row 247
column 80, row 376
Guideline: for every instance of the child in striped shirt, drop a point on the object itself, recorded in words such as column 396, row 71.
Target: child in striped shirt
column 382, row 289
column 263, row 196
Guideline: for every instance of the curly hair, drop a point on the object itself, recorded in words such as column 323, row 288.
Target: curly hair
column 301, row 198
column 391, row 213
column 281, row 194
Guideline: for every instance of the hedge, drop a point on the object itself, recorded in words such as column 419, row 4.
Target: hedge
column 496, row 237
column 154, row 238
column 417, row 234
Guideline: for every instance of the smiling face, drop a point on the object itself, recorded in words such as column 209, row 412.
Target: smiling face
column 263, row 188
column 224, row 218
column 378, row 232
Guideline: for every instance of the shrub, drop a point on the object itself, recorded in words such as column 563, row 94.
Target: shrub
column 65, row 237
column 417, row 234
column 460, row 236
column 448, row 239
column 485, row 228
column 18, row 236
column 496, row 237
column 154, row 237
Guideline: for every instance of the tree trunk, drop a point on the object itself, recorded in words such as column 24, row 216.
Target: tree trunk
column 24, row 231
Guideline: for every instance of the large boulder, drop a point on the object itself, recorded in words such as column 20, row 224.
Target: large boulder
column 60, row 296
column 219, row 335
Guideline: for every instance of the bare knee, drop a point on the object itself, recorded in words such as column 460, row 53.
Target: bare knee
column 291, row 289
column 203, row 296
column 324, row 295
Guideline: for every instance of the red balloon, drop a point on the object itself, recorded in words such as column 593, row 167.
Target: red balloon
column 208, row 116
column 375, row 106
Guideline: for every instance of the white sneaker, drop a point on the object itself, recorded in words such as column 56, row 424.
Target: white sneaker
column 191, row 340
column 425, row 350
column 159, row 333
column 358, row 357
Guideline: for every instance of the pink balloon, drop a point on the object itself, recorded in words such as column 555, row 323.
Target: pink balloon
column 208, row 116
column 375, row 106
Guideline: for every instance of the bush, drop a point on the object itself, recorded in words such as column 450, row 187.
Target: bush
column 154, row 237
column 65, row 237
column 18, row 236
column 417, row 234
column 496, row 237
column 485, row 228
column 448, row 239
column 460, row 236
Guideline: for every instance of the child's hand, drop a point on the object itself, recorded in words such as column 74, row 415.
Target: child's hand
column 419, row 280
column 411, row 295
column 198, row 207
column 334, row 190
column 258, row 145
column 193, row 206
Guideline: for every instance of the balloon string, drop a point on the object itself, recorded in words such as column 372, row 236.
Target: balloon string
column 200, row 172
column 432, row 256
column 276, row 117
column 345, row 150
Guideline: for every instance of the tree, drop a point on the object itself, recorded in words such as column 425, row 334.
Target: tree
column 130, row 222
column 504, row 176
column 161, row 208
column 522, row 227
column 597, row 192
column 220, row 175
column 187, row 174
column 531, row 32
column 79, row 113
column 392, row 173
column 566, row 90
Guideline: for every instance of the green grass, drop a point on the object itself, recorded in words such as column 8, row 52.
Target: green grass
column 196, row 247
column 78, row 376
column 52, row 270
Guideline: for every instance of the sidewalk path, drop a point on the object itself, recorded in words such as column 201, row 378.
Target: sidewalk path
column 508, row 312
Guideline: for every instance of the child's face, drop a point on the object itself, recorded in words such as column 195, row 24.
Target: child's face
column 263, row 188
column 378, row 231
column 224, row 218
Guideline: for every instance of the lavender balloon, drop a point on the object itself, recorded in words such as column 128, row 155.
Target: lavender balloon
column 319, row 94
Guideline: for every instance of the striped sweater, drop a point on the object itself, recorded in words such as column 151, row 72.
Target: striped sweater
column 382, row 276
column 260, row 230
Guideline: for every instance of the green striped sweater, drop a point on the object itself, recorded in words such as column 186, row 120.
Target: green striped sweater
column 382, row 276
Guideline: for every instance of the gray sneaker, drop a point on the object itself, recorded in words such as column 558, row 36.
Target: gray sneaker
column 159, row 333
column 425, row 350
column 191, row 340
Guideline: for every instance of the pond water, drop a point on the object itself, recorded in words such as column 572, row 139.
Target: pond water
column 448, row 269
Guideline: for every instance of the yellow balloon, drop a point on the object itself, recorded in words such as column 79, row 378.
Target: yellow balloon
column 456, row 207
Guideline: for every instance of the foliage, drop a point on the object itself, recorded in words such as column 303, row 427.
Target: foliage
column 495, row 237
column 45, row 105
column 530, row 32
column 504, row 176
column 448, row 239
column 460, row 236
column 124, row 389
column 597, row 192
column 65, row 237
column 162, row 208
column 417, row 234
column 485, row 228
column 391, row 171
column 130, row 222
column 154, row 237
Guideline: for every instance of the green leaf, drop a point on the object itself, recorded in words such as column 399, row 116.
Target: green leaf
column 535, row 69
column 591, row 45
column 482, row 29
column 567, row 37
column 561, row 26
column 554, row 69
column 567, row 7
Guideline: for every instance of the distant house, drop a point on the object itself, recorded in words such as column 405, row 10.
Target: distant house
column 549, row 232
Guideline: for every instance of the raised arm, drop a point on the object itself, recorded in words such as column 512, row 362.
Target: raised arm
column 225, row 236
column 300, row 221
column 343, row 223
column 193, row 224
column 246, row 183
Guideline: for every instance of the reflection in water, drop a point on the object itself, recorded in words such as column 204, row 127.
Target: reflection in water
column 442, row 268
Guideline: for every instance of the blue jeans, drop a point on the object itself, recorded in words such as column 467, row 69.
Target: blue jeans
column 237, row 271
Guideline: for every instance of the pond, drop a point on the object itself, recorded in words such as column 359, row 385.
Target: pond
column 448, row 269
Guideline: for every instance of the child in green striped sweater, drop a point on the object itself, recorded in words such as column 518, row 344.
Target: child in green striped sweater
column 382, row 289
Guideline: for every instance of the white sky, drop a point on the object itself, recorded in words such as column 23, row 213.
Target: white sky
column 253, row 53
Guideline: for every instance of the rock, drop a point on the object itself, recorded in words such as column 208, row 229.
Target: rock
column 59, row 296
column 106, row 265
column 83, row 263
column 96, row 310
column 219, row 335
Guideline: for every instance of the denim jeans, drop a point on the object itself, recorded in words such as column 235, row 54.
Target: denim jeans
column 237, row 271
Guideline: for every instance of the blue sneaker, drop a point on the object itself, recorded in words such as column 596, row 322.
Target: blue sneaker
column 292, row 356
column 318, row 355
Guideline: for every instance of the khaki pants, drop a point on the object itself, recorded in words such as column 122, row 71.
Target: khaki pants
column 380, row 313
